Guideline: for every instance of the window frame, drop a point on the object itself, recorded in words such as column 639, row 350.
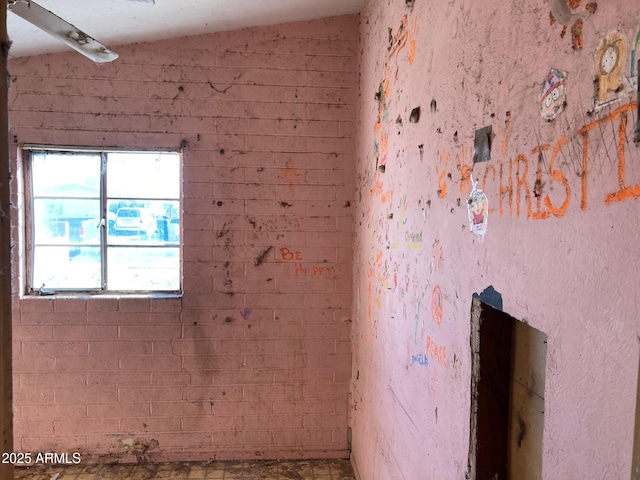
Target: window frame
column 27, row 152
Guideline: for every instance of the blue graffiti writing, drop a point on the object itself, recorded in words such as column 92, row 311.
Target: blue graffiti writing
column 420, row 359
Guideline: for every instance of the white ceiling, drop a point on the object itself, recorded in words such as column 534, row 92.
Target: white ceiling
column 121, row 22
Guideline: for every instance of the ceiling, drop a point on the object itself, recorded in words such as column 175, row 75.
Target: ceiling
column 121, row 22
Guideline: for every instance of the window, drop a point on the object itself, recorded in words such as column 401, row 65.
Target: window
column 103, row 221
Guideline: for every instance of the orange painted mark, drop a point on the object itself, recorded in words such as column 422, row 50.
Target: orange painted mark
column 465, row 178
column 403, row 36
column 288, row 255
column 302, row 270
column 625, row 192
column 540, row 213
column 558, row 176
column 576, row 28
column 564, row 31
column 488, row 169
column 441, row 169
column 544, row 207
column 399, row 40
column 436, row 305
column 384, row 148
column 508, row 189
column 442, row 185
column 377, row 187
column 436, row 352
column 576, row 35
column 412, row 52
column 522, row 185
column 290, row 174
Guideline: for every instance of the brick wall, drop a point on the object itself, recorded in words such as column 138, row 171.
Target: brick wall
column 254, row 360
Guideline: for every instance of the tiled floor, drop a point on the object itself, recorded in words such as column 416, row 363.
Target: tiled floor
column 256, row 470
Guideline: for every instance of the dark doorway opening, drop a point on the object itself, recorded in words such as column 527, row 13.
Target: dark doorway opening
column 635, row 462
column 507, row 389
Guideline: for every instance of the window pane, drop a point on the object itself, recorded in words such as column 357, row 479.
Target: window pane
column 67, row 267
column 143, row 175
column 66, row 221
column 60, row 174
column 140, row 222
column 141, row 241
column 143, row 268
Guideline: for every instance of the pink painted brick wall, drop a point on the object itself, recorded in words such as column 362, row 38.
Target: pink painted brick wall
column 254, row 360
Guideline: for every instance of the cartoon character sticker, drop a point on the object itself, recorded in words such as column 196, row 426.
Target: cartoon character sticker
column 609, row 61
column 635, row 53
column 553, row 96
column 478, row 208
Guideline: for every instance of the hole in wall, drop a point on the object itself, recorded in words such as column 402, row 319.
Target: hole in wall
column 507, row 390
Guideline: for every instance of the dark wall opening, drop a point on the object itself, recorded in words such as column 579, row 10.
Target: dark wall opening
column 508, row 371
column 635, row 462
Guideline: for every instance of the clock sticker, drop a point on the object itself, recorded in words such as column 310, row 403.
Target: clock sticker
column 609, row 61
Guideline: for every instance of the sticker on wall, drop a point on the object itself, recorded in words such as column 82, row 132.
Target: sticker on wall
column 567, row 14
column 635, row 53
column 478, row 209
column 552, row 95
column 609, row 60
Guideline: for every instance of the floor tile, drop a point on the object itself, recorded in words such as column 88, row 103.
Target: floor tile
column 210, row 470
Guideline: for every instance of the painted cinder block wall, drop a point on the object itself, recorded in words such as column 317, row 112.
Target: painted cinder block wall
column 253, row 361
column 560, row 247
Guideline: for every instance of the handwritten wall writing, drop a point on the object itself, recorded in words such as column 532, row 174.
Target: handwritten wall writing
column 413, row 239
column 436, row 305
column 303, row 270
column 290, row 175
column 398, row 42
column 273, row 223
column 288, row 255
column 541, row 184
column 436, row 352
column 420, row 359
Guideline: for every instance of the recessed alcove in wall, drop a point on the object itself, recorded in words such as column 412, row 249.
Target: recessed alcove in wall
column 507, row 396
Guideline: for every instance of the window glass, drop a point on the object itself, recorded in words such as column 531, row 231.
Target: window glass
column 68, row 267
column 143, row 175
column 143, row 268
column 123, row 237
